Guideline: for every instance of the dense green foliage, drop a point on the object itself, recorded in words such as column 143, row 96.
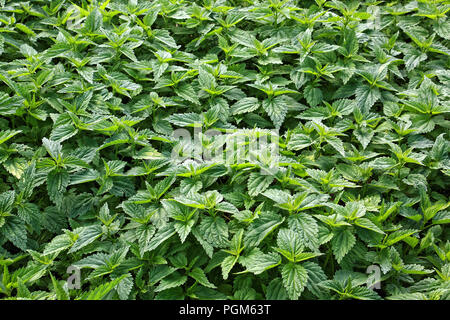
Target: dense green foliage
column 94, row 93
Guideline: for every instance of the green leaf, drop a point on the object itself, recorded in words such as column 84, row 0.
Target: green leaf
column 315, row 277
column 367, row 224
column 22, row 290
column 7, row 201
column 364, row 136
column 382, row 163
column 173, row 280
column 261, row 228
column 124, row 287
column 278, row 196
column 342, row 242
column 289, row 244
column 186, row 91
column 228, row 264
column 59, row 243
column 245, row 105
column 61, row 294
column 214, row 231
column 186, row 120
column 313, row 95
column 299, row 141
column 53, row 148
column 306, row 228
column 184, row 228
column 86, row 236
column 399, row 235
column 337, row 144
column 94, row 20
column 276, row 108
column 366, row 97
column 295, row 278
column 15, row 231
column 100, row 292
column 276, row 290
column 15, row 166
column 200, row 276
column 258, row 183
column 8, row 134
column 161, row 235
column 62, row 133
column 57, row 181
column 257, row 262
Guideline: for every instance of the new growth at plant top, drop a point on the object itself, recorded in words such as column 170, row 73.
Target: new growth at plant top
column 219, row 149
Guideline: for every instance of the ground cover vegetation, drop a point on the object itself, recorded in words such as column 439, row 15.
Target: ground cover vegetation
column 100, row 198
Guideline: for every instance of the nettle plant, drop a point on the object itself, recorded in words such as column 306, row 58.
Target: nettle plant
column 109, row 176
